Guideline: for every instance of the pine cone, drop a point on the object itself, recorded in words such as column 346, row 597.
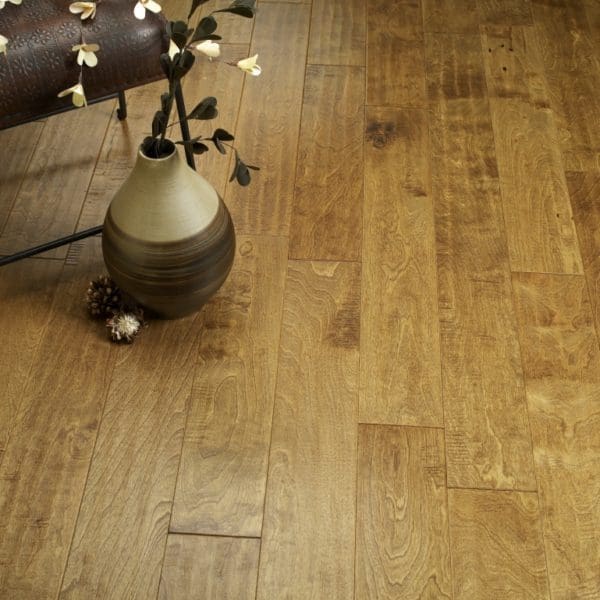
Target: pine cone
column 104, row 299
column 123, row 327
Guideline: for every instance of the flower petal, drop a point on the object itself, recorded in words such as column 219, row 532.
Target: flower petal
column 152, row 6
column 90, row 59
column 139, row 11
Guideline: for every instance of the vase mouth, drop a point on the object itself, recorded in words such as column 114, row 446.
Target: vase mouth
column 168, row 145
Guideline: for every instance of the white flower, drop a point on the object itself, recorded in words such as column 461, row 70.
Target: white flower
column 173, row 49
column 85, row 54
column 143, row 5
column 3, row 44
column 3, row 2
column 210, row 48
column 78, row 95
column 87, row 9
column 249, row 65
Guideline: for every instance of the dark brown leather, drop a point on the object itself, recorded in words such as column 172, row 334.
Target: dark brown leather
column 40, row 63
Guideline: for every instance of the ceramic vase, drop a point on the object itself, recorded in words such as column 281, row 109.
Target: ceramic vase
column 168, row 239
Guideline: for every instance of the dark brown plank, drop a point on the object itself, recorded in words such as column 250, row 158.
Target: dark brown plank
column 309, row 525
column 400, row 354
column 403, row 550
column 222, row 475
column 326, row 218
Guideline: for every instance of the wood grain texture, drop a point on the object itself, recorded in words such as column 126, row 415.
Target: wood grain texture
column 573, row 76
column 16, row 148
column 326, row 220
column 337, row 32
column 504, row 12
column 403, row 549
column 450, row 16
column 537, row 211
column 565, row 427
column 555, row 318
column 400, row 355
column 121, row 532
column 59, row 173
column 487, row 434
column 395, row 55
column 497, row 546
column 209, row 568
column 562, row 369
column 45, row 465
column 308, row 535
column 222, row 475
column 267, row 132
column 584, row 190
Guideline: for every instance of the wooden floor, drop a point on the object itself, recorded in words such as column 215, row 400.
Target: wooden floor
column 396, row 394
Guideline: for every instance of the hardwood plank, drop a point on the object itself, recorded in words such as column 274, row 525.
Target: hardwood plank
column 400, row 353
column 209, row 568
column 487, row 432
column 513, row 65
column 565, row 426
column 572, row 73
column 330, row 166
column 584, row 190
column 308, row 535
column 454, row 67
column 450, row 16
column 497, row 546
column 504, row 12
column 267, row 132
column 232, row 28
column 27, row 289
column 337, row 32
column 402, row 19
column 16, row 148
column 53, row 192
column 537, row 211
column 222, row 474
column 556, row 319
column 121, row 531
column 403, row 549
column 45, row 465
column 562, row 369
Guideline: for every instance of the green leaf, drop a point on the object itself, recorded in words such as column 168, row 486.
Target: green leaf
column 165, row 101
column 159, row 122
column 195, row 5
column 206, row 26
column 195, row 144
column 178, row 31
column 206, row 109
column 240, row 172
column 167, row 66
column 183, row 64
column 221, row 135
column 243, row 8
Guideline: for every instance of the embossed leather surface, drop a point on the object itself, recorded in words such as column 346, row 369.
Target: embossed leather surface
column 40, row 63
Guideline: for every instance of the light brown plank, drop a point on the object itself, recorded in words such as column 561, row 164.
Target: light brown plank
column 571, row 66
column 450, row 16
column 487, row 432
column 326, row 220
column 537, row 212
column 53, row 192
column 556, row 321
column 16, row 148
column 562, row 368
column 403, row 549
column 513, row 64
column 395, row 55
column 337, row 32
column 121, row 531
column 269, row 121
column 209, row 568
column 584, row 190
column 400, row 353
column 497, row 547
column 222, row 475
column 45, row 465
column 504, row 12
column 27, row 289
column 308, row 535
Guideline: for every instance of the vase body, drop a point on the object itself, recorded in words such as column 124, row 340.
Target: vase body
column 168, row 239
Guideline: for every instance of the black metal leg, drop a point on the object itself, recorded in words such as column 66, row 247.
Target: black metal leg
column 185, row 130
column 122, row 110
column 80, row 235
